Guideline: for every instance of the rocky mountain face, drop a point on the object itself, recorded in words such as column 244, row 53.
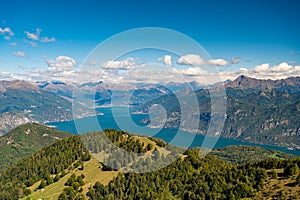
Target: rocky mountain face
column 9, row 121
column 22, row 102
column 244, row 82
column 260, row 111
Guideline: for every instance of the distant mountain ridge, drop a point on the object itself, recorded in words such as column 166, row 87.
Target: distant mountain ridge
column 259, row 111
column 101, row 91
column 244, row 82
column 17, row 85
column 22, row 102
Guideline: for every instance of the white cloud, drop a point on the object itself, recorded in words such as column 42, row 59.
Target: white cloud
column 128, row 63
column 61, row 63
column 13, row 44
column 264, row 71
column 218, row 62
column 167, row 59
column 35, row 35
column 7, row 33
column 191, row 59
column 262, row 67
column 46, row 39
column 6, row 30
column 282, row 67
column 5, row 75
column 197, row 60
column 19, row 53
column 192, row 71
column 243, row 69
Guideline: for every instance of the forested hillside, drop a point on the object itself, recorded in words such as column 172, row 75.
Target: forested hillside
column 66, row 170
column 25, row 140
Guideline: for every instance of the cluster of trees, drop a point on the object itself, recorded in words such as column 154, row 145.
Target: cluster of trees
column 74, row 189
column 190, row 177
column 111, row 141
column 16, row 144
column 97, row 142
column 290, row 166
column 247, row 154
column 47, row 163
column 187, row 175
column 116, row 159
column 51, row 163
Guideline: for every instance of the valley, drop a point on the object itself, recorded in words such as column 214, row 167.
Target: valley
column 149, row 100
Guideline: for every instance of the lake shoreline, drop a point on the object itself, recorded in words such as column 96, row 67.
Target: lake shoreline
column 186, row 137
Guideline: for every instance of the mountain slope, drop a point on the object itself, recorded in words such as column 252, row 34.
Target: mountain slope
column 21, row 101
column 26, row 140
column 260, row 111
column 9, row 121
column 52, row 160
column 65, row 170
column 248, row 154
column 244, row 82
column 57, row 162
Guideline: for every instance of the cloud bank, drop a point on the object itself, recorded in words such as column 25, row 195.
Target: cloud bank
column 126, row 64
column 197, row 60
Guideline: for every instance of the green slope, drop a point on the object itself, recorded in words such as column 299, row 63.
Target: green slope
column 25, row 140
column 248, row 154
column 65, row 170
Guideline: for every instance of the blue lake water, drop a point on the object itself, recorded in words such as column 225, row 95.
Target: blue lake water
column 121, row 121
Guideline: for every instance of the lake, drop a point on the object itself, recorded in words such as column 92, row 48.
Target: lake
column 132, row 124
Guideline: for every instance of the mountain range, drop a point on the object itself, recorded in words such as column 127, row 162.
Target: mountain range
column 259, row 111
column 22, row 102
column 244, row 82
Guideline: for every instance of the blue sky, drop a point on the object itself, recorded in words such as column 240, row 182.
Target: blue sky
column 256, row 32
